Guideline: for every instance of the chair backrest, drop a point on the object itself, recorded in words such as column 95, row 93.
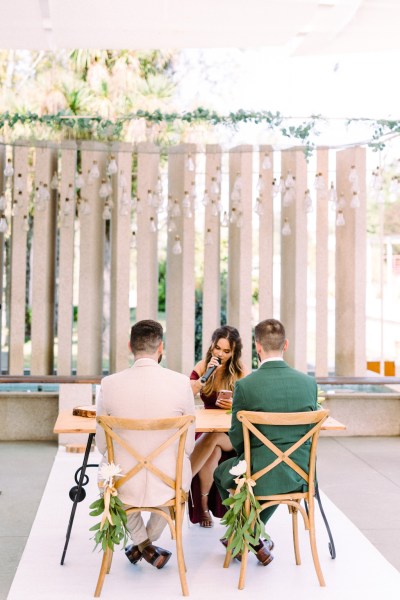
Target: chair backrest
column 178, row 425
column 314, row 419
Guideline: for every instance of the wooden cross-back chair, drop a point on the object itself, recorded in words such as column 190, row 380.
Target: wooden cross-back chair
column 250, row 420
column 179, row 427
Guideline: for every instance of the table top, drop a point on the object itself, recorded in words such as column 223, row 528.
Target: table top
column 213, row 419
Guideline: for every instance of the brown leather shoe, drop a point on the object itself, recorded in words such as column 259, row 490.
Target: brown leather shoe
column 263, row 552
column 158, row 557
column 133, row 554
column 224, row 542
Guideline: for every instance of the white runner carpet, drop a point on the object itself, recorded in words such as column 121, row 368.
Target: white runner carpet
column 359, row 570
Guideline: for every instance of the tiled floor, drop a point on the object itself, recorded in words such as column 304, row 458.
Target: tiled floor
column 358, row 571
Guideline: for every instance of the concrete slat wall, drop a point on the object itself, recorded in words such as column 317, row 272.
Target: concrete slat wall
column 103, row 310
column 18, row 261
column 43, row 266
column 67, row 208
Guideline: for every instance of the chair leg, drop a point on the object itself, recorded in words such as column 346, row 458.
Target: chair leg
column 243, row 567
column 295, row 530
column 313, row 544
column 105, row 566
column 179, row 552
column 228, row 554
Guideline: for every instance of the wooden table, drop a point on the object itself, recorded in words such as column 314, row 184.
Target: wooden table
column 210, row 420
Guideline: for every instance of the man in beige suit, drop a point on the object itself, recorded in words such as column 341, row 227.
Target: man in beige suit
column 147, row 391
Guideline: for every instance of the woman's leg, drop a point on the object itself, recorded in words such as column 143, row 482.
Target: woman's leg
column 204, row 448
column 204, row 460
column 206, row 480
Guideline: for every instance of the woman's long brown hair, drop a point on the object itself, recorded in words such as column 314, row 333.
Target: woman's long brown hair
column 233, row 368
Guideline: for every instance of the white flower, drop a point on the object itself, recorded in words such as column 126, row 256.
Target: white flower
column 109, row 470
column 239, row 469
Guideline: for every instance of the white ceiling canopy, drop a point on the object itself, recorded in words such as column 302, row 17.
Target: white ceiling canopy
column 288, row 27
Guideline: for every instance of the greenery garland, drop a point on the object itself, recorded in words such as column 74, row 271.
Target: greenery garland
column 98, row 127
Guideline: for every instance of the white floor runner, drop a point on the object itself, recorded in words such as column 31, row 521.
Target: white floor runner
column 359, row 571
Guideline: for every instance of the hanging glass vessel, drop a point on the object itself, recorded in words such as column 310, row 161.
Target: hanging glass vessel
column 286, row 229
column 3, row 224
column 206, row 198
column 355, row 200
column 266, row 162
column 79, row 180
column 112, row 166
column 9, row 169
column 340, row 219
column 177, row 247
column 208, row 240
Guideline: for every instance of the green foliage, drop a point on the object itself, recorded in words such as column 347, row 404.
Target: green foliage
column 162, row 282
column 242, row 530
column 109, row 534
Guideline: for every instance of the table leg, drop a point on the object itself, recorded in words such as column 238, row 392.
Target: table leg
column 331, row 544
column 77, row 493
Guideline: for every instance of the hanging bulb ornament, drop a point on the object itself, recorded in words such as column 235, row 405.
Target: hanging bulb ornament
column 94, row 171
column 177, row 247
column 3, row 203
column 54, row 181
column 106, row 212
column 67, row 207
column 288, row 197
column 233, row 217
column 206, row 198
column 193, row 193
column 281, row 186
column 122, row 182
column 176, row 211
column 171, row 226
column 9, row 169
column 308, row 201
column 332, row 196
column 214, row 208
column 260, row 184
column 286, row 229
column 208, row 240
column 149, row 198
column 259, row 209
column 275, row 187
column 84, row 208
column 266, row 162
column 214, row 187
column 238, row 182
column 112, row 166
column 319, row 182
column 139, row 208
column 353, row 178
column 239, row 220
column 190, row 163
column 3, row 224
column 104, row 190
column 133, row 240
column 225, row 219
column 340, row 219
column 186, row 200
column 25, row 223
column 289, row 180
column 355, row 200
column 218, row 176
column 79, row 180
column 152, row 225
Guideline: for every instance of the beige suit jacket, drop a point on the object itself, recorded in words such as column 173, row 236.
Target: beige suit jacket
column 147, row 391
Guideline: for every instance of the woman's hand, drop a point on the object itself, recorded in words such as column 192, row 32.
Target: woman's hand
column 214, row 362
column 224, row 402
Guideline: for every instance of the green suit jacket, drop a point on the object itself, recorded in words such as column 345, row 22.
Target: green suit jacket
column 274, row 387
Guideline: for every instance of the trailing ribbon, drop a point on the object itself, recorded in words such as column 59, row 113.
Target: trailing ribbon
column 109, row 490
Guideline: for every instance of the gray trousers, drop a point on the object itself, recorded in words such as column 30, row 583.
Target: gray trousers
column 151, row 530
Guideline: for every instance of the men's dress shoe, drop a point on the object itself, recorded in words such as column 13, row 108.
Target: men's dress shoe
column 158, row 557
column 263, row 552
column 224, row 542
column 133, row 554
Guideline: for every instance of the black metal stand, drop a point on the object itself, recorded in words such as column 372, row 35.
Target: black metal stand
column 331, row 545
column 77, row 492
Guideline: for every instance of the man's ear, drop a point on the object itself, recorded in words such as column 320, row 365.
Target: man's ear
column 285, row 345
column 258, row 347
column 160, row 347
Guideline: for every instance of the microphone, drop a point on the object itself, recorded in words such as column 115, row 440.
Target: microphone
column 209, row 372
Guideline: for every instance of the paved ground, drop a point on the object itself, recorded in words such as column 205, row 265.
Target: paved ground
column 360, row 475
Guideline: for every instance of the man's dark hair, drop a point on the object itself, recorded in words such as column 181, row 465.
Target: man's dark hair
column 146, row 336
column 270, row 334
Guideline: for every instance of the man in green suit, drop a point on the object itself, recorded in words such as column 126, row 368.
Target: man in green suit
column 274, row 387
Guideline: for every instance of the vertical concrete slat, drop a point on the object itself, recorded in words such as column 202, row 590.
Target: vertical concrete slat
column 322, row 268
column 211, row 278
column 240, row 248
column 350, row 358
column 266, row 238
column 180, row 293
column 147, row 240
column 66, row 258
column 294, row 262
column 43, row 267
column 120, row 259
column 18, row 262
column 90, row 313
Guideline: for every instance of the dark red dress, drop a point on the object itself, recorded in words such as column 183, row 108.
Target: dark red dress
column 214, row 500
